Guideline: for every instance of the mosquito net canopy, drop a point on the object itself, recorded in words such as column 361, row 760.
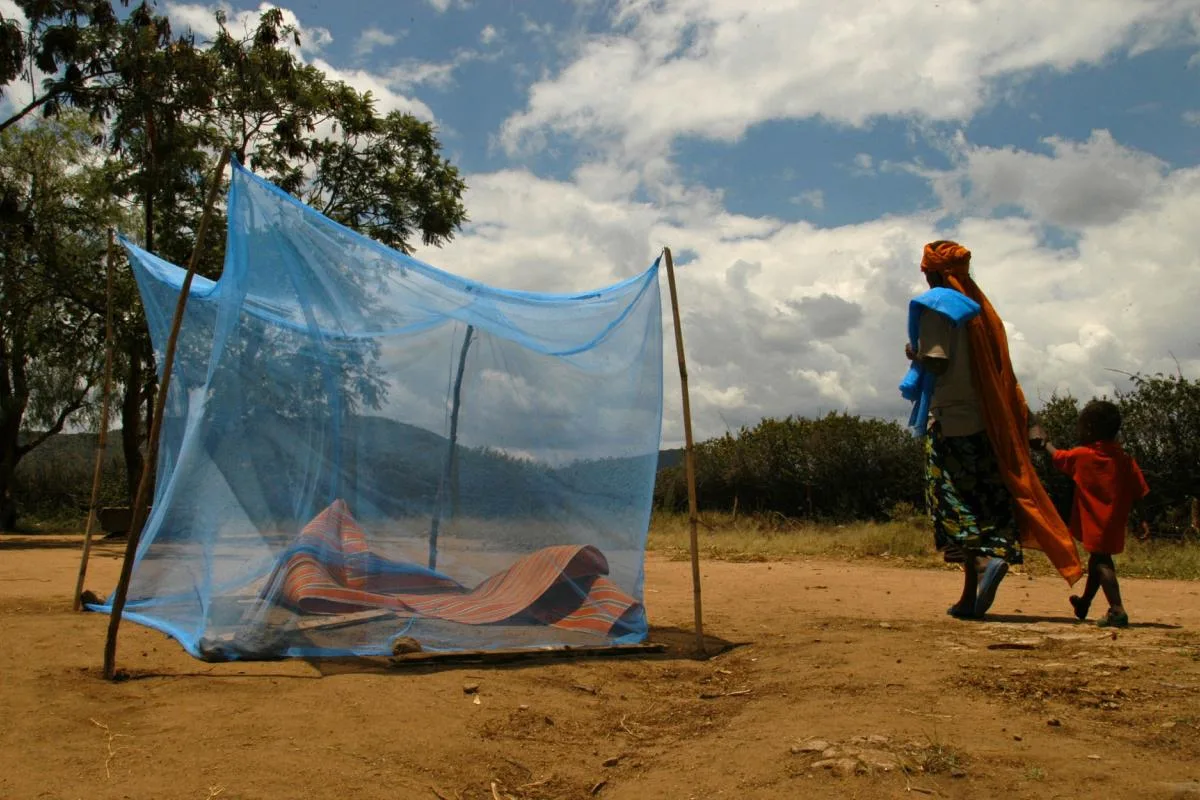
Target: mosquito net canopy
column 362, row 454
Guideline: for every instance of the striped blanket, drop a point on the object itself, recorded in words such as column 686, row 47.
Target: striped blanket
column 330, row 569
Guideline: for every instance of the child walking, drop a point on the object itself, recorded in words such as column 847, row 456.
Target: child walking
column 1108, row 483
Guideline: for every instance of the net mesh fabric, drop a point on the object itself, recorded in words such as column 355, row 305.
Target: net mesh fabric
column 362, row 453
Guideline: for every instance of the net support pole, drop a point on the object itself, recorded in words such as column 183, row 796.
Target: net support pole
column 138, row 515
column 448, row 471
column 689, row 463
column 102, row 440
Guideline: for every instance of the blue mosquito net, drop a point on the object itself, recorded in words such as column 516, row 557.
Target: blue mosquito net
column 363, row 455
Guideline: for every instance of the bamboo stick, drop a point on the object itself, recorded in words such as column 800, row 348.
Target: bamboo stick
column 688, row 458
column 102, row 442
column 449, row 471
column 139, row 504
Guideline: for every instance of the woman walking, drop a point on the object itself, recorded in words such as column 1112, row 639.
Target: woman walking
column 983, row 495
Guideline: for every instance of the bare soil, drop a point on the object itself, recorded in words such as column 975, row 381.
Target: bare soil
column 836, row 680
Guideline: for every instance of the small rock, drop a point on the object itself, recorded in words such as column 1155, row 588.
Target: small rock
column 470, row 688
column 839, row 767
column 880, row 760
column 811, row 746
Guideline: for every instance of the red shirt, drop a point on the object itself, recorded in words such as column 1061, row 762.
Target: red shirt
column 1107, row 483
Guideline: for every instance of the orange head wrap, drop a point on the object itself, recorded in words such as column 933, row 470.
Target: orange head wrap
column 946, row 258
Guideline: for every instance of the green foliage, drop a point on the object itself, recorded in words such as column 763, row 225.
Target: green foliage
column 167, row 105
column 56, row 209
column 1161, row 429
column 836, row 467
column 842, row 467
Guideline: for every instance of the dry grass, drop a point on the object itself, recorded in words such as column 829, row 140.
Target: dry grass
column 904, row 542
column 769, row 538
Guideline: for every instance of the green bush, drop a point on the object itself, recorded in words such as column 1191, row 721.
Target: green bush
column 837, row 467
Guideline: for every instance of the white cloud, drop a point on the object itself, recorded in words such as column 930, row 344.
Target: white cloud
column 199, row 18
column 388, row 90
column 713, row 68
column 442, row 6
column 1076, row 184
column 789, row 318
column 373, row 38
column 381, row 88
column 814, row 198
column 864, row 165
column 489, row 34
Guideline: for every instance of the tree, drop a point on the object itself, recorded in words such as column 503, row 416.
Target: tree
column 169, row 105
column 72, row 42
column 55, row 212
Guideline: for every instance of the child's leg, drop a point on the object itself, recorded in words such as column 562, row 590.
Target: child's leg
column 1107, row 571
column 1082, row 604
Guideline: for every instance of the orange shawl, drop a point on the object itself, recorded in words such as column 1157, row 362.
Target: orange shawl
column 1005, row 414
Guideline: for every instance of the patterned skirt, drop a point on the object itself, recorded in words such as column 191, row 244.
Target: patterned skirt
column 971, row 508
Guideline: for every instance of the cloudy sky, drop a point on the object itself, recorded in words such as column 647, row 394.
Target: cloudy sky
column 797, row 154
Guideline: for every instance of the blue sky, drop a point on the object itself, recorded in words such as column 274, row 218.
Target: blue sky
column 798, row 154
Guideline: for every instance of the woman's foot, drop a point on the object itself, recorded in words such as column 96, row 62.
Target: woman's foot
column 1114, row 619
column 996, row 569
column 962, row 611
column 1081, row 608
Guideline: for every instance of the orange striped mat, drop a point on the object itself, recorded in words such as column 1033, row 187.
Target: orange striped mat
column 330, row 569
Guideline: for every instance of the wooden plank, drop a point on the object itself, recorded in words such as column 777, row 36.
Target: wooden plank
column 521, row 654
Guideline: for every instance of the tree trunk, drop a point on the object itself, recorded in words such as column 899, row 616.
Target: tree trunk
column 8, row 468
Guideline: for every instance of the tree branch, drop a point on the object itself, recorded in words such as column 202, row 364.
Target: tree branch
column 59, row 424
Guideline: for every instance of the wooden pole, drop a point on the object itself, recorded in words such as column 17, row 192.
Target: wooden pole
column 688, row 457
column 138, row 516
column 102, row 441
column 448, row 472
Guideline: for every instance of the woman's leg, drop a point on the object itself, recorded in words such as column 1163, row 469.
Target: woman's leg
column 965, row 607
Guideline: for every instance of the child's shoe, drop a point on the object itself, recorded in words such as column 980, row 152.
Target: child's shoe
column 1117, row 619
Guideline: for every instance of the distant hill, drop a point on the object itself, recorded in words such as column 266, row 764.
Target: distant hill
column 405, row 464
column 670, row 458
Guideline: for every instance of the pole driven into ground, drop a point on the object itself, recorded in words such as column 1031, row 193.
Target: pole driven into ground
column 448, row 470
column 138, row 516
column 688, row 458
column 102, row 441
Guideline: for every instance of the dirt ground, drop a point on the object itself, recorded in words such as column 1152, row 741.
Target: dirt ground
column 846, row 680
